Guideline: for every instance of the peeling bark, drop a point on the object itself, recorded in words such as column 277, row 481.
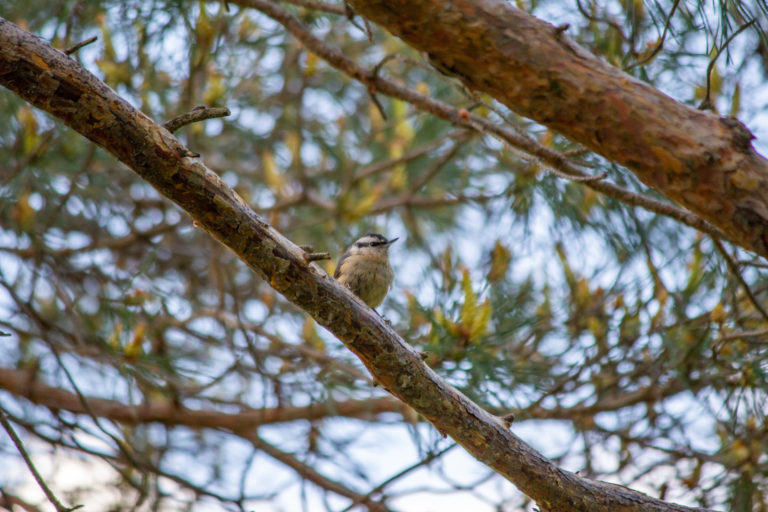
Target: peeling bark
column 701, row 161
column 48, row 79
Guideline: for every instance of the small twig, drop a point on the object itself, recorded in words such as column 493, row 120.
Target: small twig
column 375, row 74
column 74, row 48
column 123, row 447
column 371, row 169
column 309, row 473
column 659, row 46
column 576, row 152
column 379, row 488
column 317, row 256
column 384, row 60
column 319, row 6
column 311, row 255
column 439, row 164
column 60, row 507
column 706, row 103
column 744, row 334
column 197, row 114
column 737, row 274
column 615, row 26
column 561, row 28
column 372, row 92
column 368, row 30
column 756, row 264
column 8, row 500
column 580, row 179
column 350, row 13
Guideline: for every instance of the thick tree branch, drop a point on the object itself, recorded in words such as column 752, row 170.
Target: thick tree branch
column 50, row 80
column 699, row 160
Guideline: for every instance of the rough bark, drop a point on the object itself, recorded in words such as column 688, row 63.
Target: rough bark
column 48, row 79
column 703, row 162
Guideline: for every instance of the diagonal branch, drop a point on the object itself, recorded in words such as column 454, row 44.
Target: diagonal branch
column 48, row 79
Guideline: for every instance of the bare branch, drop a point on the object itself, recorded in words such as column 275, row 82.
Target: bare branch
column 706, row 103
column 309, row 473
column 317, row 256
column 746, row 334
column 365, row 29
column 197, row 114
column 9, row 500
column 60, row 507
column 26, row 384
column 118, row 464
column 737, row 274
column 76, row 47
column 379, row 488
column 369, row 170
column 660, row 45
column 319, row 6
column 580, row 179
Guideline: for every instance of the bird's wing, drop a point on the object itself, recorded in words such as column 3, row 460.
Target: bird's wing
column 339, row 264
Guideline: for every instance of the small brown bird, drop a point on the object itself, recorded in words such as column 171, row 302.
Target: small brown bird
column 365, row 269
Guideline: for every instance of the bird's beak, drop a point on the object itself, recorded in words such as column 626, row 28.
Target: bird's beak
column 389, row 242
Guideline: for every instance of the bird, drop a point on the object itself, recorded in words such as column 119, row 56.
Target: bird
column 364, row 268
